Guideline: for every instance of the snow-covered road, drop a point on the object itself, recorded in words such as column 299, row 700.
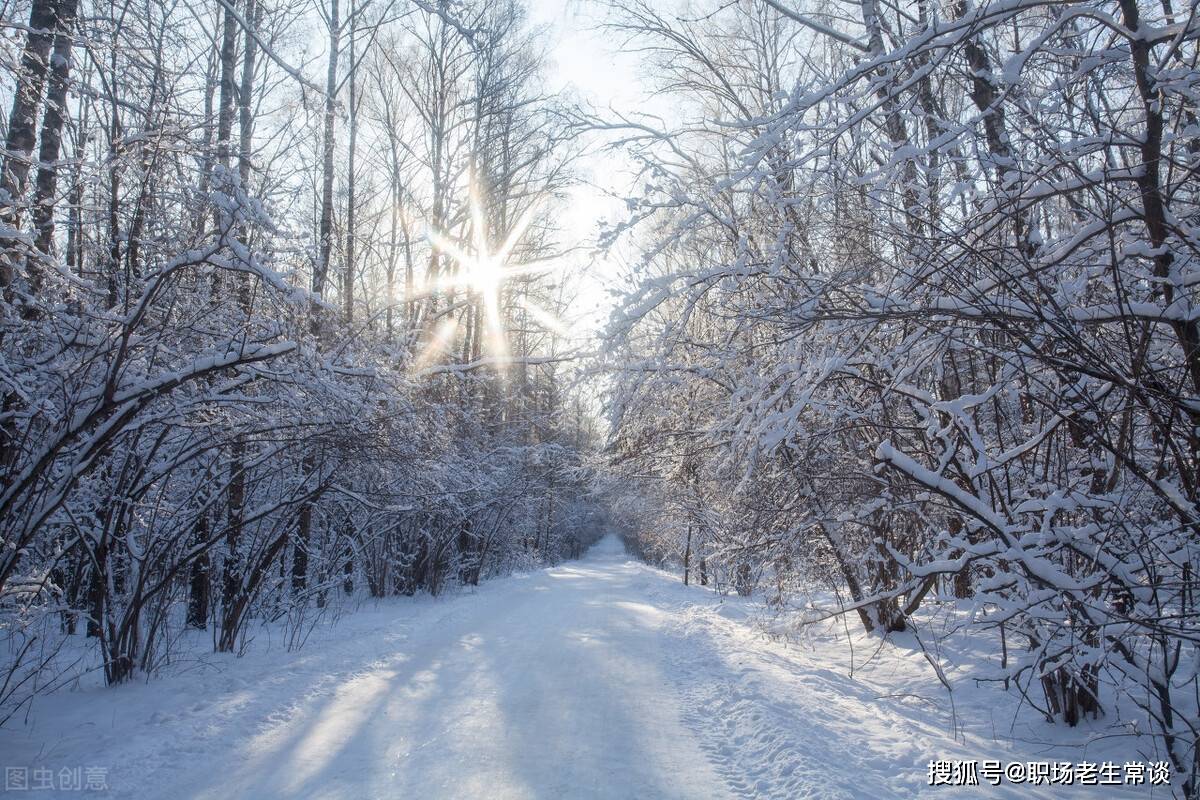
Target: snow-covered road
column 553, row 687
column 600, row 678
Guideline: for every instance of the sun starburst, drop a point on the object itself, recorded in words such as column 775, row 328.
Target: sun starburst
column 483, row 272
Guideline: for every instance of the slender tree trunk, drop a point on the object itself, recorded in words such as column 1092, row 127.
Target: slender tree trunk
column 114, row 207
column 228, row 88
column 351, row 199
column 300, row 549
column 226, row 101
column 320, row 269
column 197, row 614
column 22, row 122
column 393, row 243
column 687, row 557
column 246, row 96
column 75, row 237
column 206, row 150
column 52, row 126
column 325, row 242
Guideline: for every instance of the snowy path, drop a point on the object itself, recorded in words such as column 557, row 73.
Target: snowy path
column 553, row 688
column 601, row 678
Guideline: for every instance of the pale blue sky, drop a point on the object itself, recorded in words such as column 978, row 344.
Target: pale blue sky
column 586, row 61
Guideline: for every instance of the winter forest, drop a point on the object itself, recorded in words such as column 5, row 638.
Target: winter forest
column 600, row 398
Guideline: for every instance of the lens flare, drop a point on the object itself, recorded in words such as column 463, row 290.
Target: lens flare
column 483, row 273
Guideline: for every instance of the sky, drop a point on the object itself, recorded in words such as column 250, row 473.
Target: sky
column 586, row 62
column 585, row 57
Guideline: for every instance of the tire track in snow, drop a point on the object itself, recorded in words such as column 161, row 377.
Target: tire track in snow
column 747, row 735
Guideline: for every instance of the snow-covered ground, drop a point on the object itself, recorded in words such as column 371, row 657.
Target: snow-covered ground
column 599, row 678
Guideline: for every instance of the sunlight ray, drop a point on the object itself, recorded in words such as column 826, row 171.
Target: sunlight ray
column 483, row 273
column 438, row 344
column 544, row 318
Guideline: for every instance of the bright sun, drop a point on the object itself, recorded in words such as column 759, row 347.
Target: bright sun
column 484, row 272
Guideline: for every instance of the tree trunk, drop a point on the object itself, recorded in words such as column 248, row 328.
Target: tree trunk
column 687, row 556
column 228, row 88
column 74, row 254
column 22, row 121
column 300, row 549
column 325, row 243
column 351, row 200
column 197, row 614
column 52, row 126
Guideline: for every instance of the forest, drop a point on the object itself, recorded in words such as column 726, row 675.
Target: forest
column 239, row 378
column 902, row 324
